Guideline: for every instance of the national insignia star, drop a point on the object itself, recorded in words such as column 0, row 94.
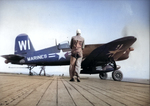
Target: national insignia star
column 61, row 54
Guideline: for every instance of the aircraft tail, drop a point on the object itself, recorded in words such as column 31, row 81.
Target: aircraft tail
column 23, row 44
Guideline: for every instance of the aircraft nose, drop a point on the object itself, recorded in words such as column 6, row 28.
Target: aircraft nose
column 133, row 37
column 131, row 49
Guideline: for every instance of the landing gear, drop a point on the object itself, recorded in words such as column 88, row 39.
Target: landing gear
column 30, row 68
column 117, row 75
column 103, row 76
column 30, row 73
column 42, row 69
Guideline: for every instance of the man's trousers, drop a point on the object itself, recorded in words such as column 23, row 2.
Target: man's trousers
column 75, row 66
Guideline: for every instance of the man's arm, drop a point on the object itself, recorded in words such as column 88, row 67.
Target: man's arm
column 83, row 45
column 71, row 43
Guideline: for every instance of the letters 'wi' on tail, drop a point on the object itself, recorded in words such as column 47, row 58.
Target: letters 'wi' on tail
column 23, row 45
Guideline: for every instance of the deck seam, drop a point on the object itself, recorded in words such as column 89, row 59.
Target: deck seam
column 110, row 97
column 44, row 92
column 69, row 93
column 101, row 93
column 81, row 93
column 30, row 93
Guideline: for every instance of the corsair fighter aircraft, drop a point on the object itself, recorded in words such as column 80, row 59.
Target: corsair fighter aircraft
column 97, row 58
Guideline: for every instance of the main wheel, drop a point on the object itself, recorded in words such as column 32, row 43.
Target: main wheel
column 103, row 76
column 117, row 75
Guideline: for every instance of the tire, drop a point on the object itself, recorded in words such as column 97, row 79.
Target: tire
column 117, row 75
column 103, row 76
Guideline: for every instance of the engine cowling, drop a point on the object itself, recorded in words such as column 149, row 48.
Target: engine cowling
column 125, row 55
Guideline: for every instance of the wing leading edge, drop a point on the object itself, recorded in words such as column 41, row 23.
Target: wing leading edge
column 113, row 49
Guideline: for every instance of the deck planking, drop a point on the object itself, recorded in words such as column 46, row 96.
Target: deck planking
column 24, row 90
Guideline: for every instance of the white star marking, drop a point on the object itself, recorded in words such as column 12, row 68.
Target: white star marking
column 61, row 54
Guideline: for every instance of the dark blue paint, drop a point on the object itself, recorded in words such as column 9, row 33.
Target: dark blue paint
column 48, row 56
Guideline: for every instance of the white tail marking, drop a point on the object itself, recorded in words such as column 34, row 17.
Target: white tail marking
column 23, row 45
column 28, row 44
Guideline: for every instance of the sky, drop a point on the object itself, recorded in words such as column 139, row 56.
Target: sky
column 100, row 21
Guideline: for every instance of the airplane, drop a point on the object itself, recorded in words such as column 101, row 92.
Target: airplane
column 97, row 58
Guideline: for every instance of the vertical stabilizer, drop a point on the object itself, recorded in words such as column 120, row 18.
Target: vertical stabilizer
column 23, row 44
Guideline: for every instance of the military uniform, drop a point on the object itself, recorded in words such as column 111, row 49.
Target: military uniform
column 77, row 45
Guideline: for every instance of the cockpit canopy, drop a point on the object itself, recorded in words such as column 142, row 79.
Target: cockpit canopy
column 64, row 45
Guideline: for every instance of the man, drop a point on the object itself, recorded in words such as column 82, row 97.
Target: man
column 77, row 46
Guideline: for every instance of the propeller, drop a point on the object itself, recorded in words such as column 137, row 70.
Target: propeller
column 125, row 31
column 129, row 31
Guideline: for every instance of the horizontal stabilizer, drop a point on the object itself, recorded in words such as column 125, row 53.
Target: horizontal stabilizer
column 13, row 57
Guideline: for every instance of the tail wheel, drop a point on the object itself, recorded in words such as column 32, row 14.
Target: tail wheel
column 103, row 76
column 117, row 75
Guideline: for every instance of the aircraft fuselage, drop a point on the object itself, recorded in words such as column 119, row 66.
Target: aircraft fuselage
column 53, row 56
column 49, row 56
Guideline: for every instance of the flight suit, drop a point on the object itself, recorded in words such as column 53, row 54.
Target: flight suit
column 77, row 45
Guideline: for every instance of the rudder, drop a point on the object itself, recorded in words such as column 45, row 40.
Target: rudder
column 23, row 44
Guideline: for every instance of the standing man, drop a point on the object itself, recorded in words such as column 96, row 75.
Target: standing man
column 77, row 46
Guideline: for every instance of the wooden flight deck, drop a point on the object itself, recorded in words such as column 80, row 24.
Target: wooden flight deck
column 24, row 90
